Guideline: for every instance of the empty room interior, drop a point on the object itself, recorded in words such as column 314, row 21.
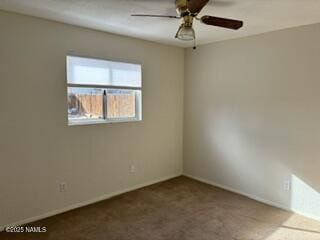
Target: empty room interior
column 160, row 120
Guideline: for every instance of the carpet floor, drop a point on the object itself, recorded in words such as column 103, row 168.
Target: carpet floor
column 177, row 209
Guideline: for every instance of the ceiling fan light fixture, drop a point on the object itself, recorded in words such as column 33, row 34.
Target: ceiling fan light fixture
column 186, row 33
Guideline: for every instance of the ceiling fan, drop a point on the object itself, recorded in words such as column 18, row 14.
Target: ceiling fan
column 188, row 10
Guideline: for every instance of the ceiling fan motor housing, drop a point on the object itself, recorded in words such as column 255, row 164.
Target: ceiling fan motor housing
column 181, row 7
column 187, row 21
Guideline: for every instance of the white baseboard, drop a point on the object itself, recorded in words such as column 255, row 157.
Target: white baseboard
column 85, row 203
column 254, row 197
column 308, row 215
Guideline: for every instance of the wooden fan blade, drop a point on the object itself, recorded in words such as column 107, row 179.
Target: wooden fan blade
column 150, row 15
column 222, row 22
column 195, row 6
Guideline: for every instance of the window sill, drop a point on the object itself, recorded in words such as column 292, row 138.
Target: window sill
column 102, row 121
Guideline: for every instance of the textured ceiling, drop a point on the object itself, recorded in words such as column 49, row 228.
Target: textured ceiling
column 114, row 16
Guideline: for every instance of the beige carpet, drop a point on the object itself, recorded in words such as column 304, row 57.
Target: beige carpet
column 180, row 208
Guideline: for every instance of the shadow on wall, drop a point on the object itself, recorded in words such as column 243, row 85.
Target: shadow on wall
column 304, row 199
column 295, row 226
column 249, row 158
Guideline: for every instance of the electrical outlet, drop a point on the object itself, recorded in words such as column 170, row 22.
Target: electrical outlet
column 287, row 185
column 132, row 168
column 63, row 187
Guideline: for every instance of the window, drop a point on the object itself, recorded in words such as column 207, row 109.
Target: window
column 101, row 91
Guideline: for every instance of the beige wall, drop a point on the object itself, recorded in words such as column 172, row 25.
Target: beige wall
column 37, row 148
column 252, row 116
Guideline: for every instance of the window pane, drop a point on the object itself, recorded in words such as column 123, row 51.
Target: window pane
column 90, row 71
column 123, row 104
column 85, row 104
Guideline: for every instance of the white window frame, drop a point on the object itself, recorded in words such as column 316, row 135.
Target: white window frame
column 137, row 91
